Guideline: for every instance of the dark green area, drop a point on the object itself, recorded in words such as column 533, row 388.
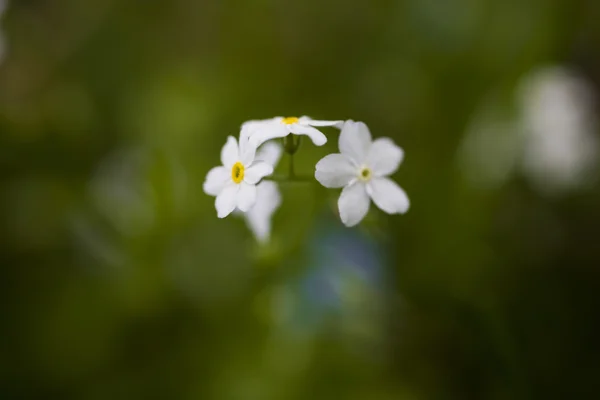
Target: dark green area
column 117, row 280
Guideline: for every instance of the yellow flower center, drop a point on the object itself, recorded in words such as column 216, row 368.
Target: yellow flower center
column 289, row 120
column 237, row 172
column 365, row 174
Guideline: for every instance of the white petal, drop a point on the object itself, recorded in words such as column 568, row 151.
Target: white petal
column 247, row 151
column 317, row 137
column 353, row 204
column 216, row 179
column 230, row 153
column 355, row 141
column 246, row 197
column 384, row 157
column 388, row 196
column 260, row 131
column 250, row 127
column 257, row 171
column 268, row 132
column 335, row 171
column 258, row 219
column 226, row 200
column 270, row 153
column 312, row 122
column 246, row 130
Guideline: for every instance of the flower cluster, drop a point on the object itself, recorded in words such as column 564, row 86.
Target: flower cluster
column 361, row 168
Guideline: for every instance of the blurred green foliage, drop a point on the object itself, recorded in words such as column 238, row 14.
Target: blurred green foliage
column 118, row 280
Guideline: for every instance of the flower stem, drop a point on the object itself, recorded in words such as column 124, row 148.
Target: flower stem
column 290, row 144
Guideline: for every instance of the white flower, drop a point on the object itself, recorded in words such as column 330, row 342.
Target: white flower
column 550, row 136
column 278, row 127
column 234, row 184
column 561, row 146
column 362, row 169
column 268, row 198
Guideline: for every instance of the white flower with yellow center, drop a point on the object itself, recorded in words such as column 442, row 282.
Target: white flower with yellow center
column 262, row 130
column 234, row 183
column 361, row 168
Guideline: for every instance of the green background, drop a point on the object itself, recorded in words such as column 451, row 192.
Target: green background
column 117, row 280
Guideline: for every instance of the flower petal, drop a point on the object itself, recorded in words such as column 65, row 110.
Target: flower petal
column 312, row 122
column 388, row 196
column 248, row 128
column 335, row 171
column 258, row 219
column 384, row 157
column 317, row 137
column 257, row 171
column 216, row 179
column 247, row 151
column 260, row 131
column 270, row 153
column 355, row 141
column 230, row 153
column 246, row 197
column 353, row 204
column 226, row 200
